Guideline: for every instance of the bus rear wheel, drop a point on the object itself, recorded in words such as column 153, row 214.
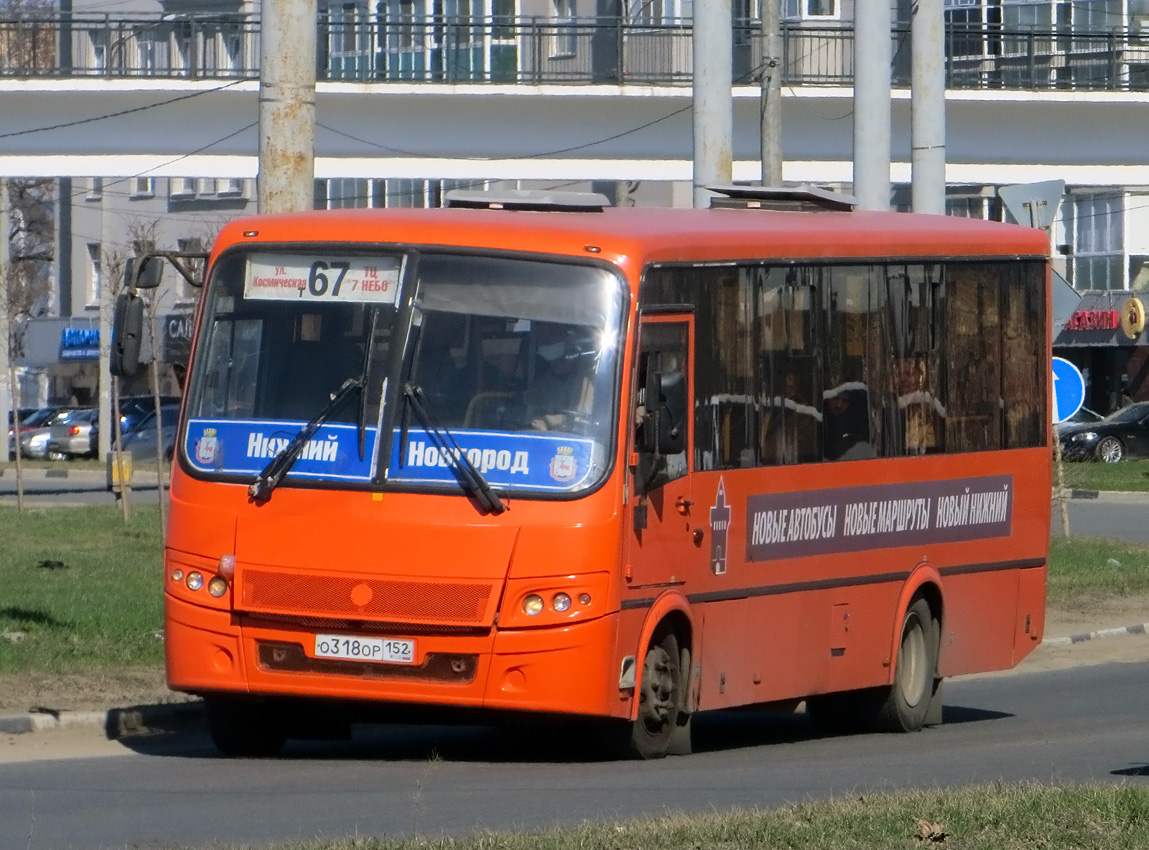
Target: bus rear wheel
column 245, row 728
column 907, row 701
column 659, row 698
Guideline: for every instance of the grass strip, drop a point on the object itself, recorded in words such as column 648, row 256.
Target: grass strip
column 80, row 589
column 984, row 817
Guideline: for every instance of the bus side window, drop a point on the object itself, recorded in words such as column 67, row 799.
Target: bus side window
column 661, row 407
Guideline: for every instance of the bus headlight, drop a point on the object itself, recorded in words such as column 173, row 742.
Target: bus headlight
column 533, row 605
column 195, row 581
column 217, row 587
column 561, row 602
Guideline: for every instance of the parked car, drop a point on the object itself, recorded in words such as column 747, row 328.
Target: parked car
column 141, row 440
column 72, row 438
column 1122, row 434
column 1085, row 415
column 133, row 408
column 34, row 442
column 30, row 419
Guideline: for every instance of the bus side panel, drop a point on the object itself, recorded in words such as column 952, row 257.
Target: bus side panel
column 979, row 623
column 1029, row 627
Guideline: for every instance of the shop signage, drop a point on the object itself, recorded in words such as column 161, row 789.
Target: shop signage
column 1133, row 317
column 1094, row 320
column 80, row 344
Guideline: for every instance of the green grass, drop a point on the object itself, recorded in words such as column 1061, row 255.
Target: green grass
column 1082, row 569
column 1131, row 476
column 81, row 587
column 986, row 817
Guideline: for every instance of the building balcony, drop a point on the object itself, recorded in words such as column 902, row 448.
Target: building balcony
column 542, row 51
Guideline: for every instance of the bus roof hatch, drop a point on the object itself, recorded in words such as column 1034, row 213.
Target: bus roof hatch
column 804, row 197
column 526, row 199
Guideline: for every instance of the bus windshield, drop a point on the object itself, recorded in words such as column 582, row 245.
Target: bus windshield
column 515, row 361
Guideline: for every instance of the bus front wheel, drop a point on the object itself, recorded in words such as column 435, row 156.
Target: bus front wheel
column 245, row 728
column 907, row 702
column 659, row 698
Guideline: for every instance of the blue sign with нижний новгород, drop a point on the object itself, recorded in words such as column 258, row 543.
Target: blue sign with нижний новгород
column 1068, row 389
column 550, row 462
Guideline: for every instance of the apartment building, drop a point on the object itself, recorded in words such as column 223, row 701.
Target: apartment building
column 598, row 91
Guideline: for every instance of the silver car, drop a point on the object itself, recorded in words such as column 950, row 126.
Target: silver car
column 34, row 441
column 72, row 438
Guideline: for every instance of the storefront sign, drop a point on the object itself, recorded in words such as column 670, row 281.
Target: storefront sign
column 80, row 344
column 1094, row 320
column 1132, row 317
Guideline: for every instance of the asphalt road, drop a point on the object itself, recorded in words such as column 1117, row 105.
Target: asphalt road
column 401, row 781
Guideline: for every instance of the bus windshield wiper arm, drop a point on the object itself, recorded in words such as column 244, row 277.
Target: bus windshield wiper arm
column 271, row 475
column 473, row 480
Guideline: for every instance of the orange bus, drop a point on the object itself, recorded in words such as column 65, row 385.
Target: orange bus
column 534, row 456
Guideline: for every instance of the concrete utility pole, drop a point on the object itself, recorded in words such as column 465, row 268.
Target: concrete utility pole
column 287, row 106
column 713, row 97
column 771, row 117
column 106, row 301
column 928, row 109
column 872, row 56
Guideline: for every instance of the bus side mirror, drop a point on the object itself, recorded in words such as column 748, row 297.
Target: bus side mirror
column 143, row 272
column 664, row 423
column 127, row 331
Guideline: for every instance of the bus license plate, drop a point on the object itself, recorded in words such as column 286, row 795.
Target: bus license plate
column 384, row 650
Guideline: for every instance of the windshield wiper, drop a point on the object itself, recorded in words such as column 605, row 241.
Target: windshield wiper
column 470, row 477
column 270, row 477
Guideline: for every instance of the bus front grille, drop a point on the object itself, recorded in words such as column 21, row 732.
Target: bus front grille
column 285, row 657
column 359, row 598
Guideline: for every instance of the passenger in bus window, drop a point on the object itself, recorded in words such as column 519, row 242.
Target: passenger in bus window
column 919, row 412
column 562, row 392
column 790, row 427
column 846, row 421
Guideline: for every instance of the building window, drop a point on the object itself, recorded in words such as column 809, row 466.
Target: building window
column 565, row 42
column 94, row 274
column 229, row 187
column 810, row 9
column 183, row 188
column 95, row 189
column 143, row 187
column 1098, row 238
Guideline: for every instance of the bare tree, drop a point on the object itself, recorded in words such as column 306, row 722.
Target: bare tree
column 28, row 36
column 27, row 216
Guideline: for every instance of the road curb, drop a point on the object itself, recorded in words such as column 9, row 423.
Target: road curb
column 116, row 722
column 1082, row 637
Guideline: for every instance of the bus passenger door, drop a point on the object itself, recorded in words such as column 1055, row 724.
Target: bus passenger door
column 664, row 521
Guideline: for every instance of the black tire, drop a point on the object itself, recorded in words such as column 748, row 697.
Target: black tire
column 907, row 701
column 659, row 698
column 1110, row 450
column 245, row 728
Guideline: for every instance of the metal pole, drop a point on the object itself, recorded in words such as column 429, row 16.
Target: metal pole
column 771, row 110
column 287, row 106
column 713, row 98
column 928, row 109
column 872, row 56
column 9, row 403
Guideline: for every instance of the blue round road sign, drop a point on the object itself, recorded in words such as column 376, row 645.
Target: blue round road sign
column 1068, row 389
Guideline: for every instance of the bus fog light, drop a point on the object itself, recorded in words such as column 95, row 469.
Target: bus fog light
column 561, row 602
column 584, row 599
column 217, row 587
column 195, row 581
column 533, row 605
